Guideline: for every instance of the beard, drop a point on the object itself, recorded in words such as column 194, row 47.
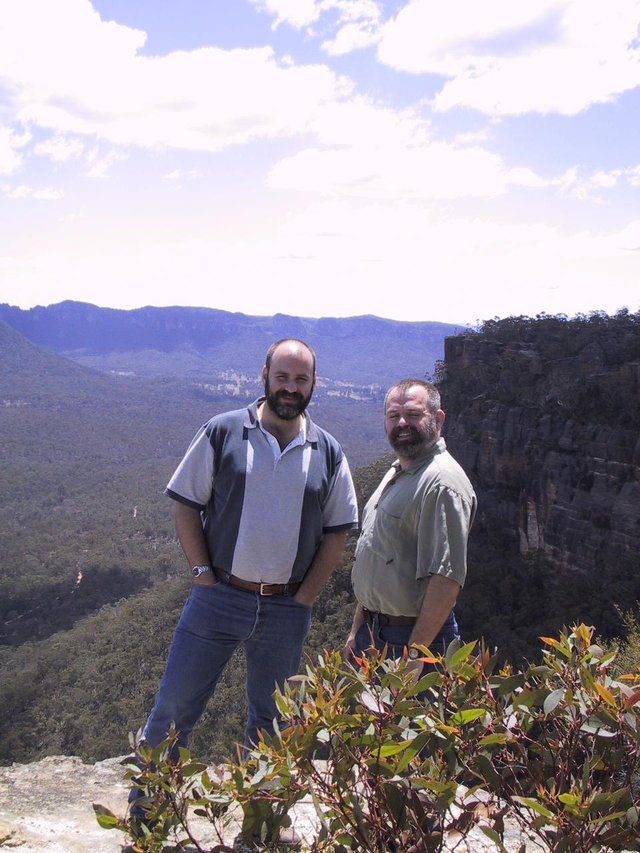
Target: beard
column 285, row 405
column 411, row 442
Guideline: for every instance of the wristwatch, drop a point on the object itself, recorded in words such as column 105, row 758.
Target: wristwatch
column 413, row 653
column 196, row 571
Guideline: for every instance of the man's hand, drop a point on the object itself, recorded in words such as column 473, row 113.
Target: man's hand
column 303, row 599
column 348, row 650
column 439, row 600
column 205, row 579
column 415, row 667
column 326, row 559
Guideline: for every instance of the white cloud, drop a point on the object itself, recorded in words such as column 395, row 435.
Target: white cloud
column 506, row 58
column 471, row 137
column 588, row 187
column 181, row 174
column 303, row 13
column 25, row 191
column 634, row 176
column 628, row 239
column 296, row 13
column 10, row 159
column 61, row 148
column 525, row 177
column 605, row 180
column 360, row 122
column 436, row 171
column 99, row 164
column 21, row 191
column 456, row 268
column 568, row 180
column 351, row 37
column 77, row 74
column 355, row 23
column 376, row 209
column 430, row 38
column 398, row 260
column 370, row 152
column 48, row 194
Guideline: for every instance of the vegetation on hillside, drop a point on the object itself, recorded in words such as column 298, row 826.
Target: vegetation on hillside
column 92, row 578
column 591, row 356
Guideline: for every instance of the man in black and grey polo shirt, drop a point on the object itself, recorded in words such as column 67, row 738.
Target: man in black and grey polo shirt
column 264, row 502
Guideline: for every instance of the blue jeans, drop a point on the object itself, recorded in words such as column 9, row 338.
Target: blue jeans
column 214, row 622
column 396, row 637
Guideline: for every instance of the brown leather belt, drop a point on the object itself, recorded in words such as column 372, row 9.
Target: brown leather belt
column 387, row 618
column 260, row 588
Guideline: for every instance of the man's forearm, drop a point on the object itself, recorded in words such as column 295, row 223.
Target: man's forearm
column 350, row 642
column 439, row 599
column 326, row 559
column 191, row 535
column 358, row 619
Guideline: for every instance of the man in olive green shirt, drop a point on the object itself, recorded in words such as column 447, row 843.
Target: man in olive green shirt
column 411, row 557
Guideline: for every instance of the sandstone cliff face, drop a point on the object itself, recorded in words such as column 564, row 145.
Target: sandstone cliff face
column 547, row 427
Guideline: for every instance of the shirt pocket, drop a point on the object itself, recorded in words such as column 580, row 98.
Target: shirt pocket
column 387, row 535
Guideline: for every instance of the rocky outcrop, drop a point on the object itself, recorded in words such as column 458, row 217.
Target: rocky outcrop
column 545, row 418
column 46, row 807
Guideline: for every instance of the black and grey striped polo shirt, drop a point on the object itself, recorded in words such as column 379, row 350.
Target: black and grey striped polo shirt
column 265, row 511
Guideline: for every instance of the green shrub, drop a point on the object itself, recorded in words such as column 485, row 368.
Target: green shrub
column 556, row 746
column 628, row 658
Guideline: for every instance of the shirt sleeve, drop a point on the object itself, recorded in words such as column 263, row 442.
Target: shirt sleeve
column 442, row 537
column 192, row 480
column 340, row 511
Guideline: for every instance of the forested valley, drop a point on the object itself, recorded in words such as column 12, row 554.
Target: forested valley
column 92, row 578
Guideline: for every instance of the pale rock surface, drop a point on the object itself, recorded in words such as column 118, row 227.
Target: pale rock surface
column 46, row 807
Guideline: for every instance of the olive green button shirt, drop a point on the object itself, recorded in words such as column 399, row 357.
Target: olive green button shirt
column 415, row 524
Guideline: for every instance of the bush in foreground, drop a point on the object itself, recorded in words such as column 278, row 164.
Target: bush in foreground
column 556, row 746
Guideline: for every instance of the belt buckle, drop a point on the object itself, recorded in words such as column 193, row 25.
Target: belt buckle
column 262, row 592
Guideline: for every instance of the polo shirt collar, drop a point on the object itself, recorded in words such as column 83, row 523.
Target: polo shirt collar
column 252, row 420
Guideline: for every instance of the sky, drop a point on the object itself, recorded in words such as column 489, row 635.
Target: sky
column 411, row 159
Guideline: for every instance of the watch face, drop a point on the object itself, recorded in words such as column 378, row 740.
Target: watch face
column 414, row 654
column 199, row 570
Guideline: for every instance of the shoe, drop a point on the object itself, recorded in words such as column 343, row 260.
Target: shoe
column 287, row 838
column 242, row 846
column 290, row 838
column 138, row 816
column 433, row 828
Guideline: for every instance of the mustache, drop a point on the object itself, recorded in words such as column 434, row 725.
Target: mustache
column 286, row 395
column 408, row 430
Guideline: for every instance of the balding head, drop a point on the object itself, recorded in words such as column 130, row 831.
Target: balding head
column 292, row 345
column 431, row 392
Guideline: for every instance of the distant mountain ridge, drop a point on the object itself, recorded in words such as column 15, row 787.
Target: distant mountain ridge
column 203, row 342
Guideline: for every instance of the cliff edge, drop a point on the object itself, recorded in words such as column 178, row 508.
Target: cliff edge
column 546, row 421
column 46, row 807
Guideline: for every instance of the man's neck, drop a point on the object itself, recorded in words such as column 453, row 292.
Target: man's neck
column 282, row 430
